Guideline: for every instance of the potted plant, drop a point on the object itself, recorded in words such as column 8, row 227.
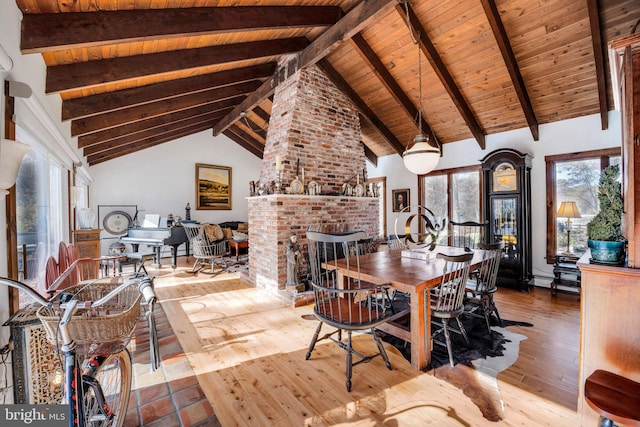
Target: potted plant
column 604, row 231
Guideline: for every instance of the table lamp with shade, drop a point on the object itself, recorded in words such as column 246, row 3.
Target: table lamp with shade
column 568, row 210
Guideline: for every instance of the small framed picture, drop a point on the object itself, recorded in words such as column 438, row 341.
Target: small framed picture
column 400, row 199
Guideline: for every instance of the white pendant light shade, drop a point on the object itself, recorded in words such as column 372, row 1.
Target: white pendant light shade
column 11, row 154
column 422, row 157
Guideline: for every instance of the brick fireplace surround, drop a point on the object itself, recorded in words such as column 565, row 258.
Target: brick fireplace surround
column 315, row 131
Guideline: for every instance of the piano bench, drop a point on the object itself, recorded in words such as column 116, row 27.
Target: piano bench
column 140, row 257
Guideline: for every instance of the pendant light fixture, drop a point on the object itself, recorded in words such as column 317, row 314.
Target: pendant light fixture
column 422, row 157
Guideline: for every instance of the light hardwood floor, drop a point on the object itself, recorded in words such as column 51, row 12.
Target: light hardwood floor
column 248, row 349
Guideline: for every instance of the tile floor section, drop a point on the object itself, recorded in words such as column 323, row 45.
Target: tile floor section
column 170, row 396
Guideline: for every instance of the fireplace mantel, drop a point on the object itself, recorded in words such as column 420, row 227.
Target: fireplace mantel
column 318, row 197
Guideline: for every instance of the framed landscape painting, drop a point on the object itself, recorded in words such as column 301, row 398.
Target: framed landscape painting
column 213, row 187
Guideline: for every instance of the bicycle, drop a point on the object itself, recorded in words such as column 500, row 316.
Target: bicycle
column 90, row 324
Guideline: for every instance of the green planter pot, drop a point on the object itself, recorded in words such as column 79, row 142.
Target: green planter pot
column 603, row 252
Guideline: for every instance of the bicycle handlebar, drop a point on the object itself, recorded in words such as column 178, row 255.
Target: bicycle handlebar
column 26, row 288
column 142, row 282
column 144, row 286
column 146, row 289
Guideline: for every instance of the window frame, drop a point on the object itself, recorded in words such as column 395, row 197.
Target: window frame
column 449, row 173
column 381, row 184
column 552, row 204
column 52, row 202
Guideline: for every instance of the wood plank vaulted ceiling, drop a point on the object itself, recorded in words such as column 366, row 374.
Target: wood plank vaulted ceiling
column 134, row 74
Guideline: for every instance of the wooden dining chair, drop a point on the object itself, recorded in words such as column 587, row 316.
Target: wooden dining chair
column 481, row 284
column 63, row 260
column 447, row 299
column 396, row 242
column 467, row 234
column 51, row 272
column 347, row 305
column 72, row 256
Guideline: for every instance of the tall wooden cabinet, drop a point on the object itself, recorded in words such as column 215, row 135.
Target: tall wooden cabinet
column 628, row 49
column 87, row 243
column 610, row 297
column 507, row 207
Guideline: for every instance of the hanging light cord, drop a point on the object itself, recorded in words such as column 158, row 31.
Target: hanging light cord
column 419, row 91
column 246, row 120
column 415, row 39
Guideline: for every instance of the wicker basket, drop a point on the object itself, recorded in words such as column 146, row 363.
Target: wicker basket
column 112, row 322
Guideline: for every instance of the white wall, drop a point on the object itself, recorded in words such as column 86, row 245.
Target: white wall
column 579, row 134
column 161, row 179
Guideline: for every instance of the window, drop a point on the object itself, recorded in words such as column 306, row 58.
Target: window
column 573, row 178
column 380, row 185
column 465, row 196
column 39, row 207
column 454, row 194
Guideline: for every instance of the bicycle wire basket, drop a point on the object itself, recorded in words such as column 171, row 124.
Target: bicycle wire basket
column 112, row 322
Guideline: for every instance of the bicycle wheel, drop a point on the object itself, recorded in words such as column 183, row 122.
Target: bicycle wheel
column 106, row 382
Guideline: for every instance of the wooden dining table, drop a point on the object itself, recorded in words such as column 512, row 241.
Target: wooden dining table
column 411, row 276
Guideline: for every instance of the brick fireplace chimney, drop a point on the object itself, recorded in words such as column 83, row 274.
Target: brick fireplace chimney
column 314, row 130
column 314, row 126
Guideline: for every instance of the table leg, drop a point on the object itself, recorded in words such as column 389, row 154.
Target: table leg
column 420, row 331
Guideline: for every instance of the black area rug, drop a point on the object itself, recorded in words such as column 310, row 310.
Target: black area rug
column 482, row 344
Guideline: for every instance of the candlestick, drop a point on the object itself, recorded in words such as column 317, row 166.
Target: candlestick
column 298, row 167
column 303, row 174
column 357, row 179
column 278, row 186
column 278, row 163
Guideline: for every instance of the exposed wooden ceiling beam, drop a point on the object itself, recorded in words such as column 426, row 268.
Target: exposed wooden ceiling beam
column 159, row 131
column 110, row 101
column 491, row 11
column 262, row 114
column 93, row 73
column 120, row 117
column 248, row 104
column 362, row 107
column 245, row 140
column 385, row 77
column 370, row 155
column 55, row 31
column 598, row 52
column 354, row 21
column 142, row 125
column 443, row 73
column 141, row 145
column 253, row 127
